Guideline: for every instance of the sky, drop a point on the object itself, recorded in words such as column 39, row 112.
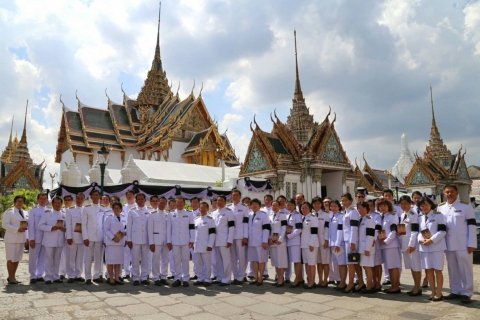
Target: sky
column 373, row 64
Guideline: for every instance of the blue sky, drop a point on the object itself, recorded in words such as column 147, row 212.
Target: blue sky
column 372, row 64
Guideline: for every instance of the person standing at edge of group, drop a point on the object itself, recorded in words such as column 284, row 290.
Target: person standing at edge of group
column 323, row 256
column 14, row 236
column 53, row 226
column 92, row 233
column 195, row 203
column 75, row 247
column 258, row 234
column 238, row 251
column 127, row 252
column 180, row 237
column 137, row 240
column 409, row 244
column 203, row 245
column 36, row 254
column 157, row 239
column 461, row 241
column 114, row 229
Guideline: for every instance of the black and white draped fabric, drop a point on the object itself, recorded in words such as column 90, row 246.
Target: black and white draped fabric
column 257, row 185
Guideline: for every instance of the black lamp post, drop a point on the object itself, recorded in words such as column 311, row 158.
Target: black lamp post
column 102, row 159
column 396, row 187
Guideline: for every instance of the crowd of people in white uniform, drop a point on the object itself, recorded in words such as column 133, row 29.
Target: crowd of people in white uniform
column 319, row 243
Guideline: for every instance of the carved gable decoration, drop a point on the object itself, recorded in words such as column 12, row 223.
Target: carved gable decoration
column 256, row 161
column 462, row 171
column 419, row 177
column 333, row 151
column 195, row 121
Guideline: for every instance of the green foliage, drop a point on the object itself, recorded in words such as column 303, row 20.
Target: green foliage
column 218, row 183
column 30, row 199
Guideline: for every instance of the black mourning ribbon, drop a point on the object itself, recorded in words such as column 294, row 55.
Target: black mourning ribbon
column 118, row 219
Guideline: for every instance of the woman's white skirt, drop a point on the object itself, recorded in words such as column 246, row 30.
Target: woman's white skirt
column 378, row 255
column 340, row 260
column 392, row 258
column 295, row 254
column 257, row 254
column 432, row 260
column 309, row 257
column 412, row 260
column 323, row 256
column 14, row 251
column 279, row 256
column 368, row 261
column 114, row 254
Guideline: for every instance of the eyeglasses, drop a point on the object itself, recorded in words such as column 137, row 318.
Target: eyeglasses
column 360, row 196
column 327, row 202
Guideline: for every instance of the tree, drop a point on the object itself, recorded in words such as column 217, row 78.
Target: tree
column 30, row 199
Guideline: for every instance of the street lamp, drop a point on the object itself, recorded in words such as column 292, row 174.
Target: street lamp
column 102, row 159
column 396, row 187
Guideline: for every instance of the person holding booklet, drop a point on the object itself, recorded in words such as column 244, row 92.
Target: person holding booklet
column 336, row 242
column 366, row 245
column 114, row 230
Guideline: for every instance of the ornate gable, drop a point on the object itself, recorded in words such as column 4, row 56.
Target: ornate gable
column 419, row 177
column 332, row 150
column 255, row 161
column 372, row 174
column 462, row 172
column 363, row 182
column 421, row 173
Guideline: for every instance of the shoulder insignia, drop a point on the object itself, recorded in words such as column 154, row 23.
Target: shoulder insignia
column 368, row 217
column 436, row 212
column 313, row 214
column 441, row 204
column 189, row 211
column 150, row 207
column 110, row 215
column 411, row 212
column 228, row 208
column 72, row 207
column 88, row 205
column 154, row 211
column 102, row 205
column 392, row 213
column 122, row 214
column 198, row 217
column 209, row 217
column 133, row 208
column 464, row 202
column 420, row 215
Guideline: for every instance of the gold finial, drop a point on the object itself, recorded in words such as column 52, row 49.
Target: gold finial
column 329, row 112
column 201, row 89
column 178, row 89
column 193, row 86
column 271, row 118
column 356, row 164
column 251, row 126
column 335, row 118
column 275, row 114
column 434, row 130
column 24, row 134
column 121, row 87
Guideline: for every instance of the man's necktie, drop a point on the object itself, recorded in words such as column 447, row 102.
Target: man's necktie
column 21, row 213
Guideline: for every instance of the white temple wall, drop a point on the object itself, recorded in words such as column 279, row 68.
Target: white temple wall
column 333, row 183
column 463, row 192
column 175, row 154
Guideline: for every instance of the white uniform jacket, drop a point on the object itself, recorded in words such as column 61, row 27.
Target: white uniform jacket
column 294, row 220
column 435, row 222
column 240, row 214
column 366, row 234
column 111, row 226
column 278, row 224
column 92, row 222
column 258, row 229
column 52, row 239
column 34, row 217
column 351, row 218
column 323, row 224
column 461, row 225
column 225, row 226
column 180, row 227
column 11, row 223
column 73, row 217
column 137, row 222
column 157, row 227
column 410, row 219
column 334, row 230
column 309, row 237
column 389, row 224
column 204, row 233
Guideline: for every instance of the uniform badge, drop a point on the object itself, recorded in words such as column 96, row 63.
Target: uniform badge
column 458, row 210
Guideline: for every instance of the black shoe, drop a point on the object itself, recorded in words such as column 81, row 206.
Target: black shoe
column 416, row 294
column 176, row 283
column 198, row 283
column 185, row 284
column 265, row 276
column 62, row 277
column 453, row 296
column 136, row 283
column 386, row 283
column 355, row 282
column 280, row 285
column 222, row 284
column 369, row 291
column 145, row 282
column 12, row 282
column 340, row 288
column 253, row 283
column 348, row 291
column 245, row 279
column 236, row 282
column 164, row 282
column 98, row 280
column 48, row 282
column 392, row 292
column 33, row 281
column 158, row 283
column 213, row 278
column 259, row 283
column 126, row 276
column 79, row 279
column 466, row 299
column 194, row 277
column 40, row 279
column 251, row 277
column 430, row 298
column 88, row 281
column 424, row 286
column 70, row 280
column 359, row 289
column 57, row 281
column 438, row 299
column 309, row 288
column 216, row 282
column 170, row 277
column 206, row 284
column 112, row 283
column 288, row 281
column 119, row 282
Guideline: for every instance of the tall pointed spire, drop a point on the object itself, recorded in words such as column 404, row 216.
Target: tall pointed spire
column 434, row 131
column 436, row 147
column 11, row 130
column 298, row 95
column 24, row 134
column 157, row 60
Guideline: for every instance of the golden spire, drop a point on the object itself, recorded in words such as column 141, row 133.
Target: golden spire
column 434, row 131
column 298, row 95
column 11, row 129
column 157, row 61
column 24, row 134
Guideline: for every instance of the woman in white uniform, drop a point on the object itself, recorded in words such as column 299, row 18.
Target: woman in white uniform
column 309, row 242
column 114, row 230
column 323, row 257
column 277, row 242
column 366, row 245
column 432, row 246
column 334, row 234
column 294, row 230
column 377, row 269
column 409, row 242
column 416, row 196
column 258, row 234
column 15, row 224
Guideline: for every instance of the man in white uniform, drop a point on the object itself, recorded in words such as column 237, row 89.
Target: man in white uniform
column 36, row 260
column 75, row 247
column 195, row 203
column 238, row 251
column 127, row 253
column 157, row 239
column 67, row 203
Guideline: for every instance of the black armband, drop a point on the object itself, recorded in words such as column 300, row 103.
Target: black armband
column 191, row 226
column 327, row 224
column 353, row 223
column 414, row 227
column 378, row 227
column 267, row 227
column 393, row 227
column 283, row 223
column 231, row 223
column 298, row 225
column 471, row 222
column 313, row 230
column 339, row 227
column 442, row 227
column 211, row 230
column 370, row 232
column 245, row 219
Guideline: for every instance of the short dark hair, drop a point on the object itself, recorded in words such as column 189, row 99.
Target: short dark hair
column 348, row 196
column 237, row 191
column 171, row 200
column 337, row 202
column 245, row 198
column 269, row 196
column 451, row 185
column 213, row 200
column 292, row 201
column 306, row 203
column 423, row 200
column 365, row 205
column 255, row 200
column 18, row 197
column 195, row 198
column 130, row 191
column 154, row 196
column 106, row 195
column 418, row 193
column 57, row 198
column 94, row 191
column 140, row 195
column 281, row 197
column 223, row 197
column 115, row 198
column 405, row 198
column 67, row 196
column 317, row 199
column 388, row 191
column 383, row 202
column 180, row 198
column 41, row 194
column 117, row 204
column 162, row 198
column 80, row 193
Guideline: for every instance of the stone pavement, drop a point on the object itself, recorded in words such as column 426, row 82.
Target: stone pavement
column 78, row 301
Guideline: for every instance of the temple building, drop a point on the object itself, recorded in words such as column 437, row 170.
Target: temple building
column 17, row 167
column 301, row 155
column 157, row 126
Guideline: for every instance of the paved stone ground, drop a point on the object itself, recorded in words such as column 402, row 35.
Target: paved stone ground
column 78, row 301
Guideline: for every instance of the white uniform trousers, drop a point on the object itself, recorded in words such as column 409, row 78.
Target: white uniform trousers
column 127, row 259
column 171, row 261
column 94, row 252
column 214, row 263
column 52, row 263
column 194, row 262
column 238, row 254
column 63, row 261
column 181, row 255
column 140, row 260
column 334, row 274
column 224, row 264
column 150, row 258
column 36, row 261
column 203, row 260
column 160, row 262
column 460, row 272
column 74, row 254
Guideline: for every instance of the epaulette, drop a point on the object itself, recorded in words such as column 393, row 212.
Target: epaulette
column 132, row 208
column 122, row 214
column 150, row 207
column 368, row 217
column 411, row 212
column 88, row 205
column 110, row 215
column 198, row 217
column 393, row 213
column 154, row 211
column 209, row 217
column 313, row 214
column 436, row 212
column 464, row 202
column 102, row 205
column 441, row 204
column 420, row 215
column 72, row 207
column 228, row 209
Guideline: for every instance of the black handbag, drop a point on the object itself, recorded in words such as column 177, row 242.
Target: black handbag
column 353, row 257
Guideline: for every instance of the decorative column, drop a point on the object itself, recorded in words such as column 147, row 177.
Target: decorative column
column 94, row 173
column 73, row 175
column 131, row 171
